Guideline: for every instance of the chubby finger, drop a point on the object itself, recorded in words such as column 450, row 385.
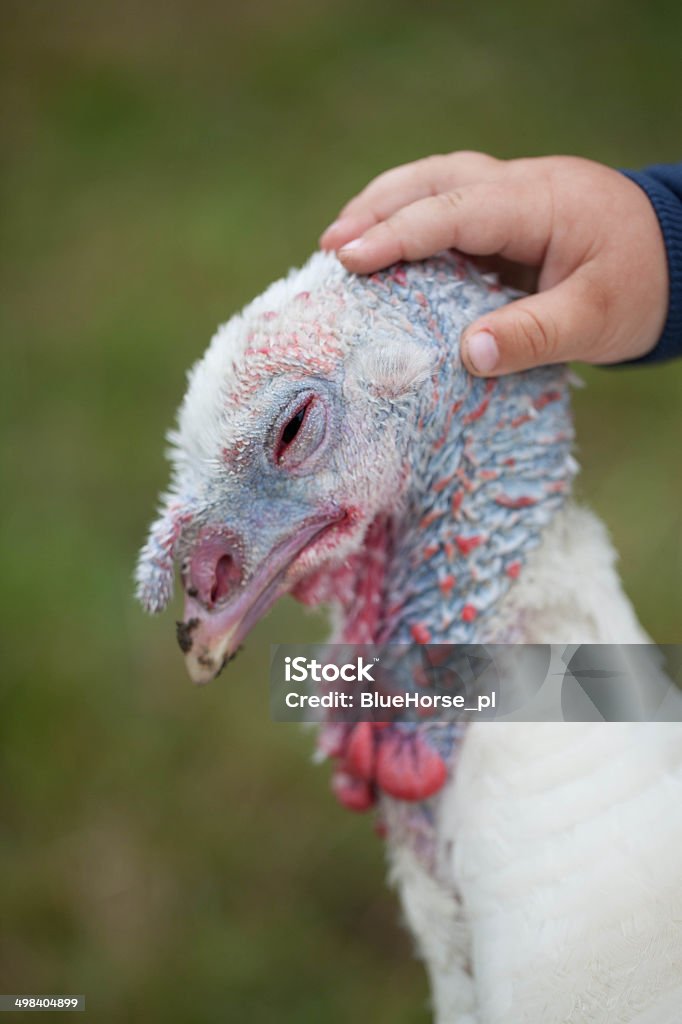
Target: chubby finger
column 512, row 219
column 346, row 228
column 566, row 322
column 403, row 185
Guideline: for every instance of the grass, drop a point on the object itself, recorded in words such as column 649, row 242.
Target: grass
column 170, row 852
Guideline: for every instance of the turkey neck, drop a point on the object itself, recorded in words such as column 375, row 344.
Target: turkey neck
column 490, row 467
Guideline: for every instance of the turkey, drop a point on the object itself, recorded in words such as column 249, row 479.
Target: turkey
column 332, row 446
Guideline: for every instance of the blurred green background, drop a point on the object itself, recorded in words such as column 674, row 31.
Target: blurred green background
column 165, row 850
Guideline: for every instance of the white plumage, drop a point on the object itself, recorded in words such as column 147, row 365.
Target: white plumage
column 558, row 895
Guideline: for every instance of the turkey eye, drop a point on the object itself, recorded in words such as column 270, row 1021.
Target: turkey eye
column 299, row 432
column 291, row 429
column 293, row 426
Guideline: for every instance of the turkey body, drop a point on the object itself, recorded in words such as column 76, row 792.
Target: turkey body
column 331, row 445
column 555, row 896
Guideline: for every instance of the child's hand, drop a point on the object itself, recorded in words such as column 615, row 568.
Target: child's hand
column 591, row 234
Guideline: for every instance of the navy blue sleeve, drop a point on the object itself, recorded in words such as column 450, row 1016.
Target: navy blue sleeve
column 663, row 185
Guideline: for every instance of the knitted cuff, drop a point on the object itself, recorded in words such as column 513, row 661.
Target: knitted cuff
column 668, row 207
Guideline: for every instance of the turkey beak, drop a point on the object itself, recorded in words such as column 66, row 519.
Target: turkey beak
column 211, row 639
column 222, row 605
column 208, row 642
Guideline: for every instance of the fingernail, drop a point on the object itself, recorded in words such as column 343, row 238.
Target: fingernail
column 483, row 351
column 332, row 227
column 352, row 246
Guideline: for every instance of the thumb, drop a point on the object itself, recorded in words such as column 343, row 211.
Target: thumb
column 565, row 322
